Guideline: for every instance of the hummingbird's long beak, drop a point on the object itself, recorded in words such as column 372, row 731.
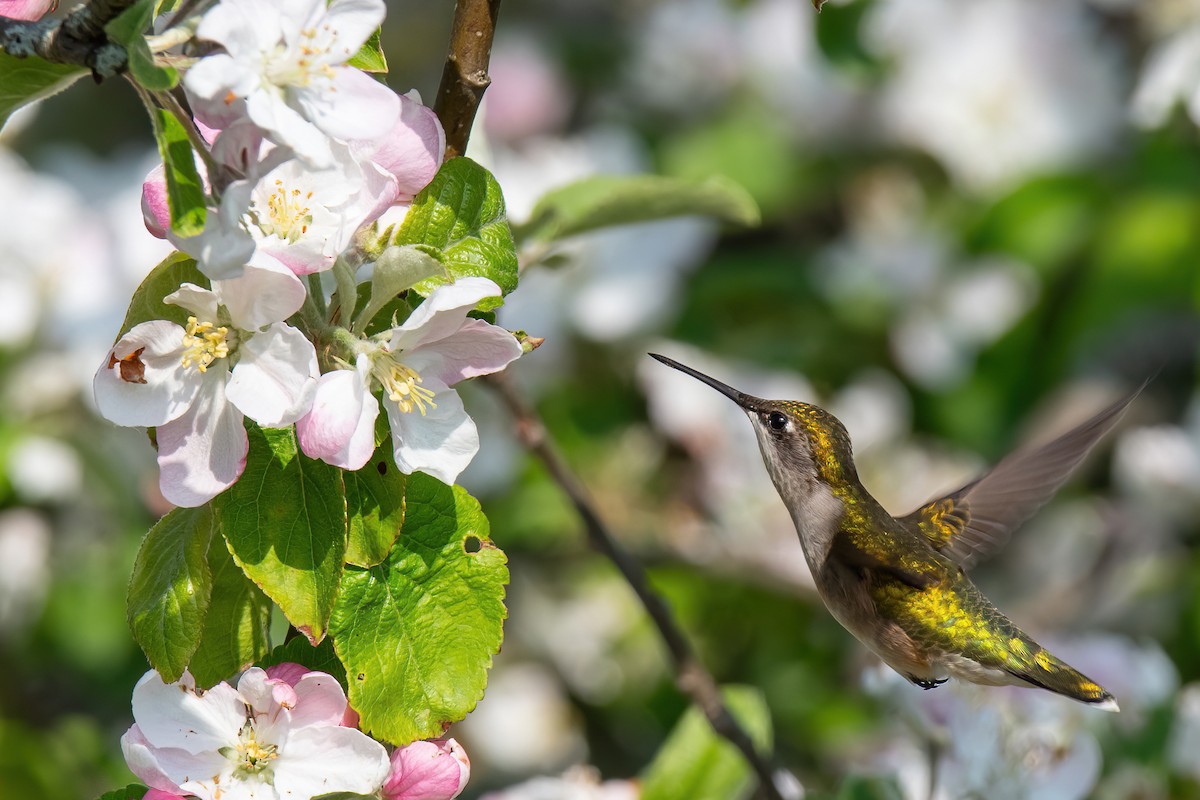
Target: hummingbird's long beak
column 741, row 398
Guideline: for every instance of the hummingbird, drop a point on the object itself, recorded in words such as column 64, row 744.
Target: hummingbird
column 900, row 584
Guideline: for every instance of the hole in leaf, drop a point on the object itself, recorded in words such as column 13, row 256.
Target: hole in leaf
column 382, row 467
column 362, row 676
column 472, row 544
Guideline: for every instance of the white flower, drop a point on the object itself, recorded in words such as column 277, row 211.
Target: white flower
column 283, row 68
column 235, row 357
column 415, row 364
column 1171, row 75
column 264, row 740
column 997, row 90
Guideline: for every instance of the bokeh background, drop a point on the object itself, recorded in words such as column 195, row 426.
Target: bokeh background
column 981, row 221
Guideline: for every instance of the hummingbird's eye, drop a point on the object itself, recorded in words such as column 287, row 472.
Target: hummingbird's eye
column 777, row 421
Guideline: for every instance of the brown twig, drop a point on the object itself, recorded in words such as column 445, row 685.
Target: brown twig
column 465, row 76
column 691, row 676
column 78, row 38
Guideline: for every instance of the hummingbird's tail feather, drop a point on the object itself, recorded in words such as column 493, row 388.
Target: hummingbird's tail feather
column 1048, row 672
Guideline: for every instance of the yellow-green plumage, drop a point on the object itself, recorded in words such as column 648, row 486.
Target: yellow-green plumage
column 899, row 584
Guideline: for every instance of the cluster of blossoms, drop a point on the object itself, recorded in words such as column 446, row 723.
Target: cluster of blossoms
column 283, row 732
column 306, row 154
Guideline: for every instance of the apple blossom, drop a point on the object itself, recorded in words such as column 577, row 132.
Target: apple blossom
column 235, row 357
column 304, row 217
column 283, row 67
column 415, row 364
column 432, row 770
column 265, row 739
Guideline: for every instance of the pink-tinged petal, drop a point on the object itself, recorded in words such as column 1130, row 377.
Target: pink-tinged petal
column 441, row 443
column 159, row 794
column 28, row 10
column 203, row 452
column 320, row 701
column 442, row 313
column 267, row 292
column 412, row 150
column 286, row 126
column 156, row 213
column 142, row 760
column 433, row 770
column 266, row 695
column 478, row 348
column 288, row 671
column 201, row 302
column 214, row 83
column 356, row 106
column 340, row 427
column 318, row 760
column 142, row 382
column 276, row 377
column 177, row 715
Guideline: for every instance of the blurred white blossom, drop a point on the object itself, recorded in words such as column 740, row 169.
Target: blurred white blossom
column 24, row 566
column 577, row 783
column 997, row 90
column 44, row 469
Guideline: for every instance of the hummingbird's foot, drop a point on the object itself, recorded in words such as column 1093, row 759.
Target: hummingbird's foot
column 928, row 683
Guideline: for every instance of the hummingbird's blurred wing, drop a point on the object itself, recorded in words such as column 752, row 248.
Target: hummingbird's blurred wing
column 975, row 521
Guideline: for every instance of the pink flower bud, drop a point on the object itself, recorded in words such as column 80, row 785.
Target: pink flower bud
column 25, row 9
column 158, row 794
column 412, row 150
column 434, row 770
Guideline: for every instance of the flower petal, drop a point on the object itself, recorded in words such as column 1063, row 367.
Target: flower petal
column 318, row 760
column 142, row 381
column 265, row 694
column 203, row 452
column 288, row 127
column 356, row 106
column 156, row 213
column 442, row 313
column 478, row 348
column 142, row 760
column 198, row 300
column 412, row 150
column 276, row 378
column 320, row 700
column 353, row 22
column 441, row 443
column 177, row 715
column 434, row 770
column 267, row 292
column 340, row 427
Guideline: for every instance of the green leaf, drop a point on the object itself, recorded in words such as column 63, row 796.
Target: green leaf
column 133, row 791
column 321, row 658
column 397, row 270
column 603, row 201
column 170, row 589
column 237, row 626
column 874, row 787
column 185, row 190
column 697, row 764
column 26, row 80
column 285, row 521
column 128, row 30
column 147, row 302
column 375, row 508
column 417, row 633
column 370, row 58
column 461, row 213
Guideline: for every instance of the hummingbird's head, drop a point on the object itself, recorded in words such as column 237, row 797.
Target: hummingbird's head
column 803, row 446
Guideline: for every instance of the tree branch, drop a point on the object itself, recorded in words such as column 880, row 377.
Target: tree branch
column 77, row 39
column 465, row 76
column 690, row 674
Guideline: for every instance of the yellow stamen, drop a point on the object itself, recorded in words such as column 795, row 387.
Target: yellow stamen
column 288, row 216
column 402, row 384
column 204, row 344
